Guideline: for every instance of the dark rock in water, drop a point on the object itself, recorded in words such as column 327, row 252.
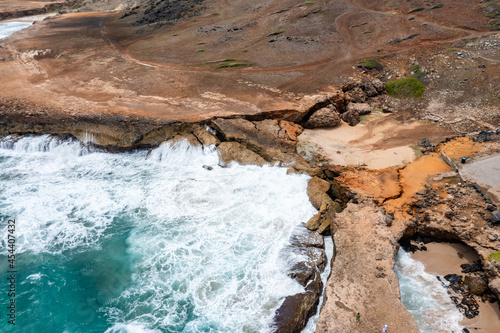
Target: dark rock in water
column 207, row 167
column 477, row 285
column 483, row 136
column 425, row 143
column 465, row 330
column 293, row 314
column 301, row 236
column 453, row 279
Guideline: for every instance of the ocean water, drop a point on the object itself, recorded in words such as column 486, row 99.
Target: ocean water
column 425, row 297
column 143, row 241
column 8, row 28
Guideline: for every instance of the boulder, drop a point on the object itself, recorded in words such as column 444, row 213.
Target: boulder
column 292, row 130
column 301, row 236
column 369, row 89
column 324, row 117
column 356, row 95
column 495, row 217
column 323, row 219
column 204, row 136
column 361, row 108
column 315, row 189
column 235, row 152
column 425, row 143
column 477, row 285
column 352, row 117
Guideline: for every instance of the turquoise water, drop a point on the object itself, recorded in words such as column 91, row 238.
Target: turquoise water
column 425, row 297
column 144, row 242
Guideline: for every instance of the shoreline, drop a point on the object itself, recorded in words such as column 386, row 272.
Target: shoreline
column 442, row 259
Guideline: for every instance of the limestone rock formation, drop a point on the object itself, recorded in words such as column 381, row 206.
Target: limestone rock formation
column 233, row 151
column 293, row 314
column 324, row 117
column 362, row 278
column 322, row 220
column 351, row 117
column 361, row 108
column 315, row 189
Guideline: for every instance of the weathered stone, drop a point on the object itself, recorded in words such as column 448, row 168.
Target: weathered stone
column 495, row 217
column 477, row 285
column 315, row 189
column 292, row 130
column 352, row 117
column 324, row 117
column 378, row 85
column 370, row 90
column 356, row 95
column 361, row 108
column 364, row 249
column 301, row 236
column 204, row 136
column 425, row 143
column 235, row 152
column 322, row 220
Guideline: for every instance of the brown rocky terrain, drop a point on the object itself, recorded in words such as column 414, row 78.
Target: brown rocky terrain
column 249, row 77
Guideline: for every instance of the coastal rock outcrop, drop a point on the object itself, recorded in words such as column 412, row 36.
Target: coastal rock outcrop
column 324, row 117
column 321, row 222
column 351, row 117
column 362, row 278
column 316, row 187
column 293, row 314
column 235, row 152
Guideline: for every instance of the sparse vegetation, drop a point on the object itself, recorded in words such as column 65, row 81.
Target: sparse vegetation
column 495, row 256
column 234, row 64
column 309, row 3
column 276, row 33
column 417, row 72
column 216, row 14
column 418, row 9
column 201, row 51
column 491, row 10
column 370, row 64
column 405, row 88
column 439, row 5
column 367, row 32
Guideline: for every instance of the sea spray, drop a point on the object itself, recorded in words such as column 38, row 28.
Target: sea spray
column 8, row 28
column 146, row 241
column 425, row 297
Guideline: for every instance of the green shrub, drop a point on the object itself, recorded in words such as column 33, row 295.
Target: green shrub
column 415, row 10
column 417, row 72
column 408, row 87
column 370, row 64
column 201, row 51
column 309, row 3
column 276, row 33
column 234, row 64
column 439, row 5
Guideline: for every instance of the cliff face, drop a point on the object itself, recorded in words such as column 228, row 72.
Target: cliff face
column 362, row 278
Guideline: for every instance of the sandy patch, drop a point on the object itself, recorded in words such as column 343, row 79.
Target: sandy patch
column 346, row 145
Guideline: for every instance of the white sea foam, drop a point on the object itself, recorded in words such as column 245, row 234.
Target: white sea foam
column 204, row 245
column 8, row 28
column 425, row 297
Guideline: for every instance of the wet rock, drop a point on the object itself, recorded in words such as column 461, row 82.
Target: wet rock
column 490, row 208
column 476, row 285
column 293, row 314
column 207, row 167
column 233, row 151
column 352, row 117
column 316, row 187
column 204, row 136
column 361, row 108
column 453, row 279
column 301, row 236
column 324, row 117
